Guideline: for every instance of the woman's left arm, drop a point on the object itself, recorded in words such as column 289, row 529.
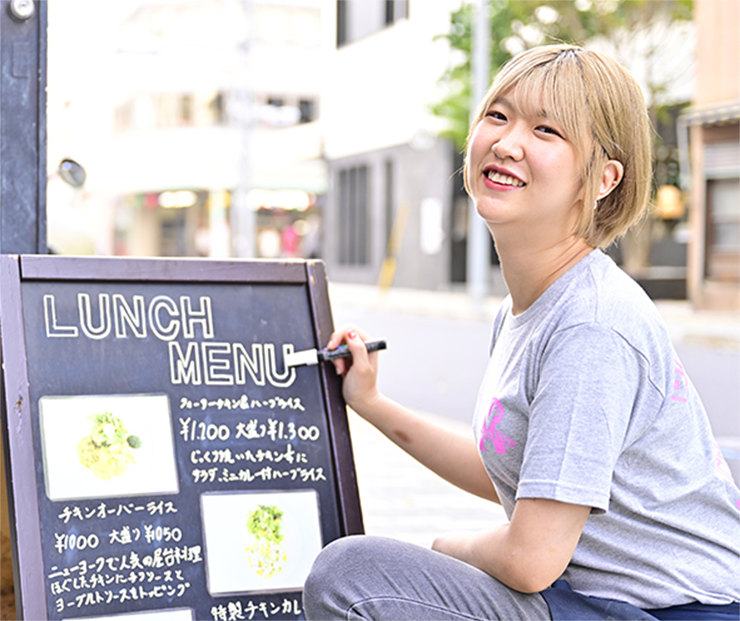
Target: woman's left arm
column 529, row 553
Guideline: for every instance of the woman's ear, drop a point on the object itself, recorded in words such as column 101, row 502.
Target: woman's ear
column 610, row 178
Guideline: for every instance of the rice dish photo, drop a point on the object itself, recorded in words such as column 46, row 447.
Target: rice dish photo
column 109, row 449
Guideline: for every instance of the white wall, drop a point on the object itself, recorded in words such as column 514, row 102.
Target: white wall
column 377, row 90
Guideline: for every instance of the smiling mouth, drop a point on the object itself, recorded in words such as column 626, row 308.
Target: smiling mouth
column 503, row 179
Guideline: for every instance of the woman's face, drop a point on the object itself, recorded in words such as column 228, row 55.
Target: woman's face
column 523, row 171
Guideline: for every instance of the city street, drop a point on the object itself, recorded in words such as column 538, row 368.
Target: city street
column 438, row 348
column 433, row 364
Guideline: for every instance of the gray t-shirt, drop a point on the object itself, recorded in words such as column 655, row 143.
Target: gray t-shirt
column 585, row 401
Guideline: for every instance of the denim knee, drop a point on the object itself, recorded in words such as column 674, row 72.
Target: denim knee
column 325, row 590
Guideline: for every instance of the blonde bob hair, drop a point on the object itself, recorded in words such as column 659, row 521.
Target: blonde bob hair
column 601, row 110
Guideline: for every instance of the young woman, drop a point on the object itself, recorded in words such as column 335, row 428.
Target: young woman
column 586, row 428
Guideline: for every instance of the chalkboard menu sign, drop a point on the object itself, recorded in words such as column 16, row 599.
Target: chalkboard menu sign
column 164, row 462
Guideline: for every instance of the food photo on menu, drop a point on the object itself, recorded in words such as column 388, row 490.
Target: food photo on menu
column 259, row 541
column 106, row 446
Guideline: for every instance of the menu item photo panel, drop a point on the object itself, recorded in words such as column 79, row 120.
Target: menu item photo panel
column 181, row 614
column 260, row 541
column 104, row 446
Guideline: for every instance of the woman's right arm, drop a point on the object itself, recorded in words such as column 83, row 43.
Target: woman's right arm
column 452, row 456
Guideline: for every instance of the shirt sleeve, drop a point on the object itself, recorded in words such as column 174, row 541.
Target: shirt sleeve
column 585, row 391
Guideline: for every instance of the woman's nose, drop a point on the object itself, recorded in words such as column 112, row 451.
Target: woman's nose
column 509, row 146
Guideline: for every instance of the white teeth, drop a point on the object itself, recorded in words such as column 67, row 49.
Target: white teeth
column 497, row 177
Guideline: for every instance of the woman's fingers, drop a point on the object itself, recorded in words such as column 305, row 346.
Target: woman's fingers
column 354, row 338
column 357, row 347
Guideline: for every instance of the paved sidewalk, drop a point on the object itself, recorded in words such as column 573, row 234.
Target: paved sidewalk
column 401, row 498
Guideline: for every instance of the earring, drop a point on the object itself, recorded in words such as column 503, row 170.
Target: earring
column 596, row 205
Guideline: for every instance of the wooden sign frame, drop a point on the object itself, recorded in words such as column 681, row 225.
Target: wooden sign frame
column 22, row 274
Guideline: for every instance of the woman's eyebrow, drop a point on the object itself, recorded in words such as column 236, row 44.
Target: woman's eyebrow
column 502, row 101
column 540, row 113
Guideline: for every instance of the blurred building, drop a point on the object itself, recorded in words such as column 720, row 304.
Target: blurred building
column 660, row 54
column 202, row 122
column 396, row 209
column 389, row 209
column 710, row 133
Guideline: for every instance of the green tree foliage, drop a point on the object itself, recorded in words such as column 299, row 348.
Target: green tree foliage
column 520, row 24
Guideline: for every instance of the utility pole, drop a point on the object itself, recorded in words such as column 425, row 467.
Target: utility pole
column 479, row 242
column 23, row 25
column 243, row 219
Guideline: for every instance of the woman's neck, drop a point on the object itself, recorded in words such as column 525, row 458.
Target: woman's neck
column 529, row 271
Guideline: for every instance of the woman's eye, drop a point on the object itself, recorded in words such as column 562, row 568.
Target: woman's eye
column 495, row 115
column 546, row 129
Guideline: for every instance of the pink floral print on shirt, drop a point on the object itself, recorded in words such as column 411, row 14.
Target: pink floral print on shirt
column 489, row 431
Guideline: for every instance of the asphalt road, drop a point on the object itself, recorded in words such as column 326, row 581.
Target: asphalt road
column 432, row 364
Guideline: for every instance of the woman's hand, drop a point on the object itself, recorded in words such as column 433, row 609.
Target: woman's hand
column 360, row 371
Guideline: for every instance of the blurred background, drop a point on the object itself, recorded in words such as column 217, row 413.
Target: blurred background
column 334, row 129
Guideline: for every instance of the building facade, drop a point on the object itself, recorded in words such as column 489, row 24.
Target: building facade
column 391, row 179
column 710, row 135
column 200, row 132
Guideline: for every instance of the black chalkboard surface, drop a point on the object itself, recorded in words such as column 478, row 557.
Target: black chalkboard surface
column 163, row 462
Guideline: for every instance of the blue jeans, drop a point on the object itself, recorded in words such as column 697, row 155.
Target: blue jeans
column 366, row 577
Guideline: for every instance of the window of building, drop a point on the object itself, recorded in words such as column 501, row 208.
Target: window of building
column 174, row 109
column 341, row 23
column 395, row 10
column 216, row 108
column 279, row 112
column 389, row 192
column 186, row 109
column 146, row 111
column 124, row 116
column 172, row 233
column 353, row 216
column 359, row 18
column 308, row 110
column 723, row 230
